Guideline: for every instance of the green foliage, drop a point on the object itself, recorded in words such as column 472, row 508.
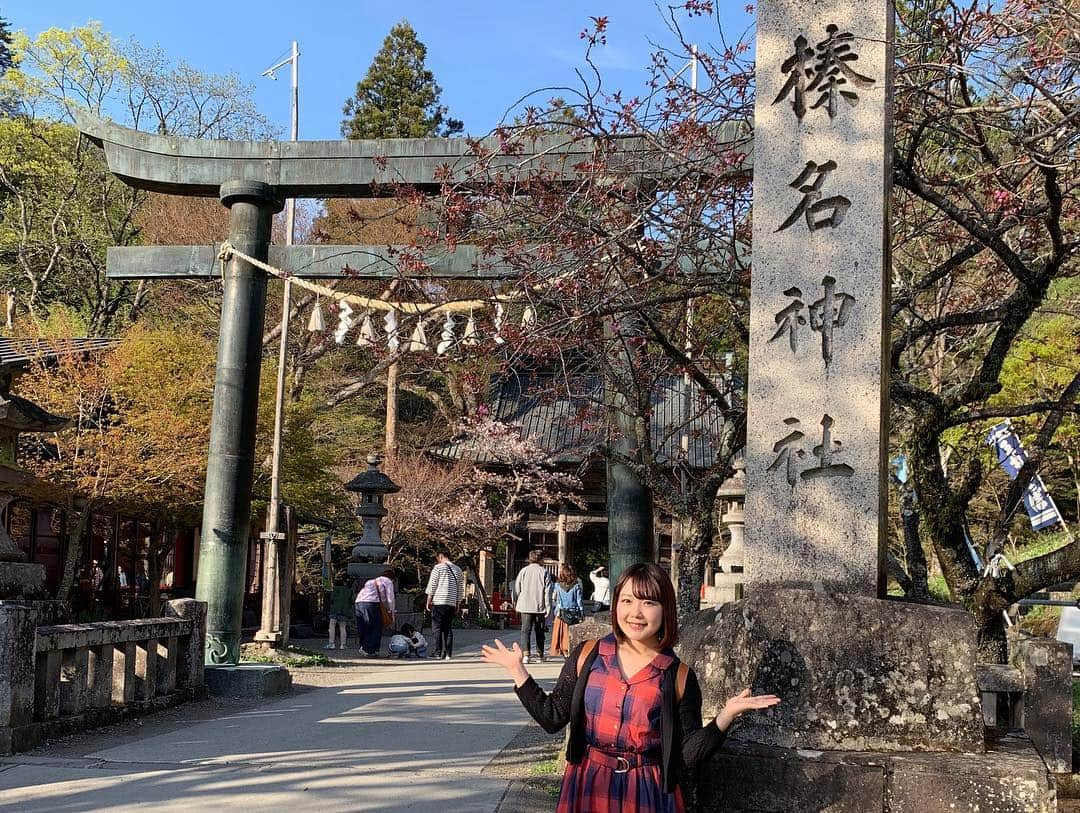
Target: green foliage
column 1076, row 717
column 1037, row 544
column 9, row 105
column 1041, row 621
column 939, row 588
column 60, row 210
column 546, row 767
column 398, row 97
column 293, row 656
column 308, row 481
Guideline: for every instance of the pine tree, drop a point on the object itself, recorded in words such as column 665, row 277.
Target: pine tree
column 6, row 60
column 9, row 104
column 399, row 97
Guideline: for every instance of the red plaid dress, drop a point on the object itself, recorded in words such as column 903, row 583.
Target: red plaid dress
column 621, row 716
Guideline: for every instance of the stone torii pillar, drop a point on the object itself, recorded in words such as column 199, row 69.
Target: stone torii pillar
column 250, row 178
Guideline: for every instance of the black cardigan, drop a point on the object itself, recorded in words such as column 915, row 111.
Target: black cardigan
column 684, row 740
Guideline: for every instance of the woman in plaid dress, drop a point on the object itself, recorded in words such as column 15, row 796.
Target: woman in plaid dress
column 634, row 710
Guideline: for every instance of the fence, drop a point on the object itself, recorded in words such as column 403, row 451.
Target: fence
column 58, row 679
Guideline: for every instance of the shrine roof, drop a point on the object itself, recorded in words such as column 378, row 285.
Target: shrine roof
column 21, row 352
column 22, row 415
column 565, row 418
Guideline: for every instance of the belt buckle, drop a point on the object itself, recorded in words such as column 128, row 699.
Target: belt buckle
column 622, row 765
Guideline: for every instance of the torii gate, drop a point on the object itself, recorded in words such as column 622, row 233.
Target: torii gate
column 253, row 179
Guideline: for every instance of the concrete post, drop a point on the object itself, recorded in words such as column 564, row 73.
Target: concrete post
column 47, row 685
column 167, row 654
column 74, row 671
column 146, row 668
column 17, row 624
column 227, row 508
column 100, row 676
column 123, row 691
column 1047, row 667
column 189, row 661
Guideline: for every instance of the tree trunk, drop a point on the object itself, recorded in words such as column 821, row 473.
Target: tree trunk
column 697, row 537
column 914, row 557
column 153, row 590
column 993, row 646
column 73, row 555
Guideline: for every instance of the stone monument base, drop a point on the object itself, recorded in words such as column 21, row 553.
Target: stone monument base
column 853, row 673
column 744, row 778
column 248, row 680
column 22, row 581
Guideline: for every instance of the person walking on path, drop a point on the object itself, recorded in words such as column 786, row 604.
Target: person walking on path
column 532, row 590
column 445, row 591
column 338, row 612
column 568, row 609
column 633, row 708
column 373, row 596
column 601, row 593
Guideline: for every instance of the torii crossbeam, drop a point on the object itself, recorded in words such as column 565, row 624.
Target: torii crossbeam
column 252, row 179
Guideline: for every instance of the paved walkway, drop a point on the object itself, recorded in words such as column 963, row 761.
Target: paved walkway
column 386, row 735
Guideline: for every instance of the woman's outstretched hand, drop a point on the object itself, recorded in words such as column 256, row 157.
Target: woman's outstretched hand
column 508, row 659
column 742, row 703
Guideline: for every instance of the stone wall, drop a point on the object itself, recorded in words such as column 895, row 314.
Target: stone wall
column 1009, row 778
column 853, row 673
column 1047, row 666
column 55, row 680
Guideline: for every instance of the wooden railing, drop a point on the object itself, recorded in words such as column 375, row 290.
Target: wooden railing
column 73, row 676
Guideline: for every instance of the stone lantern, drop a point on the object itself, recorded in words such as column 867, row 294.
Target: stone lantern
column 728, row 582
column 368, row 557
column 20, row 580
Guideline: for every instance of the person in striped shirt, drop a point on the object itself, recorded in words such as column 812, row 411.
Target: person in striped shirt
column 444, row 595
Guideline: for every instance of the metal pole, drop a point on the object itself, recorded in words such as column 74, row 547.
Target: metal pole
column 273, row 628
column 684, row 439
column 231, row 462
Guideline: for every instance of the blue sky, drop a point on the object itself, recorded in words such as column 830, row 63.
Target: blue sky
column 485, row 56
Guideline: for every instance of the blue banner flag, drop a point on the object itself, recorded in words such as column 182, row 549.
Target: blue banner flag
column 1037, row 500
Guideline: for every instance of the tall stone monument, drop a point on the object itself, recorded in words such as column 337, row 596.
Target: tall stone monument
column 817, row 397
column 866, row 684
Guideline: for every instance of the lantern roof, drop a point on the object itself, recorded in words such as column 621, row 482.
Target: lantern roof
column 372, row 481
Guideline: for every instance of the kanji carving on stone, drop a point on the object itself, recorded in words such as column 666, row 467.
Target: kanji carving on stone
column 790, row 319
column 825, row 452
column 799, row 68
column 786, row 455
column 826, row 314
column 833, row 71
column 789, row 453
column 829, row 313
column 813, row 207
column 825, row 69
